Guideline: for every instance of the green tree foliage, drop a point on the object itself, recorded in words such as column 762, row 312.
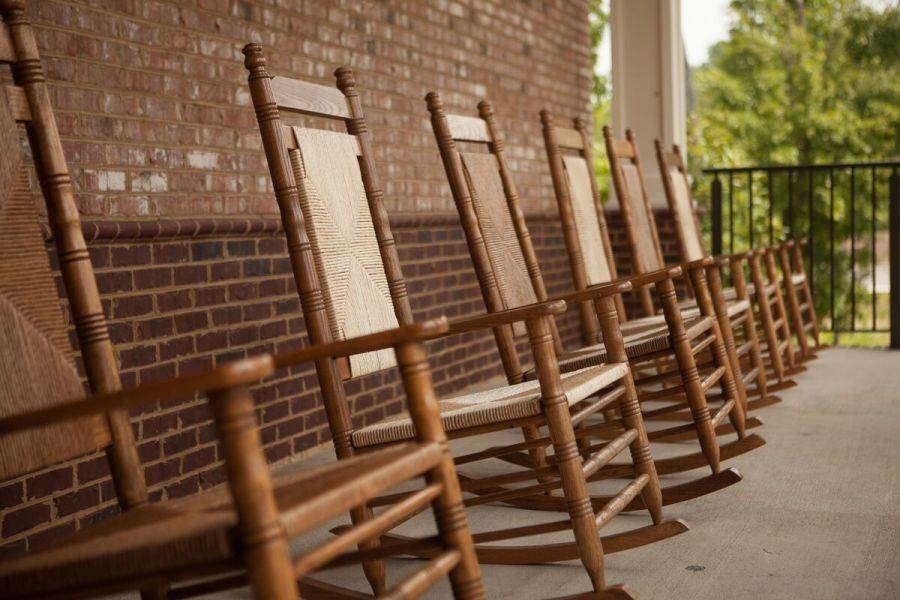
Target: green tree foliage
column 801, row 82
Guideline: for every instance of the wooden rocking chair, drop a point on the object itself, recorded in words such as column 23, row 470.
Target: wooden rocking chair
column 687, row 228
column 349, row 279
column 802, row 307
column 225, row 537
column 508, row 273
column 646, row 250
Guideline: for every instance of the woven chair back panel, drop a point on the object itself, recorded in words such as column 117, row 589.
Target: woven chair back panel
column 340, row 229
column 587, row 224
column 505, row 253
column 37, row 369
column 640, row 220
column 684, row 213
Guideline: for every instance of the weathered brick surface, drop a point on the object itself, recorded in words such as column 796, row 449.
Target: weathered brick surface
column 165, row 156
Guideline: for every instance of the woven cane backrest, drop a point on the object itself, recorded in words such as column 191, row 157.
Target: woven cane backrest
column 641, row 218
column 37, row 367
column 498, row 231
column 587, row 221
column 684, row 215
column 343, row 241
column 681, row 202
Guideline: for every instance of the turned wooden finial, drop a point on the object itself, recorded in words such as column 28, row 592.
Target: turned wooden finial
column 486, row 110
column 546, row 118
column 433, row 100
column 579, row 124
column 255, row 60
column 12, row 8
column 629, row 135
column 346, row 80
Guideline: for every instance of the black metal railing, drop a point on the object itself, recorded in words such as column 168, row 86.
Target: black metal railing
column 849, row 213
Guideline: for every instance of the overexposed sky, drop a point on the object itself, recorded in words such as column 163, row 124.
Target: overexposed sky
column 703, row 23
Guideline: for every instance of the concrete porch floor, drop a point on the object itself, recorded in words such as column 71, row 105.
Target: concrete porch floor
column 816, row 516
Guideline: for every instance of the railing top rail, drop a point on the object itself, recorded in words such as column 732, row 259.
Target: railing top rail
column 821, row 166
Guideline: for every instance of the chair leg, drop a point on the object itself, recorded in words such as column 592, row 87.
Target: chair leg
column 690, row 377
column 793, row 303
column 566, row 454
column 374, row 570
column 640, row 449
column 807, row 290
column 449, row 512
column 263, row 539
column 779, row 306
column 764, row 309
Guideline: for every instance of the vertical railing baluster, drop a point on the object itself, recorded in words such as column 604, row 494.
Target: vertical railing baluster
column 894, row 255
column 811, row 231
column 852, row 249
column 731, row 212
column 750, row 204
column 716, row 195
column 874, row 248
column 771, row 207
column 831, row 245
column 790, row 194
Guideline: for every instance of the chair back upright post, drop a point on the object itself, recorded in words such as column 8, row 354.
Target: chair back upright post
column 287, row 196
column 78, row 275
column 356, row 125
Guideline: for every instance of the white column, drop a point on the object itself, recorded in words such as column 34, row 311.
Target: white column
column 648, row 79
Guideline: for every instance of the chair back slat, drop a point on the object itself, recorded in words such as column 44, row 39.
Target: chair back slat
column 36, row 361
column 343, row 242
column 566, row 137
column 309, row 98
column 507, row 260
column 468, row 129
column 586, row 220
column 681, row 202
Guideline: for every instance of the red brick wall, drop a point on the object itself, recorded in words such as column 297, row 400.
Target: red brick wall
column 165, row 157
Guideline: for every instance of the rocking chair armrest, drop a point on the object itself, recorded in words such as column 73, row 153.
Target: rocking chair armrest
column 233, row 374
column 689, row 265
column 639, row 281
column 505, row 317
column 600, row 290
column 734, row 257
column 414, row 332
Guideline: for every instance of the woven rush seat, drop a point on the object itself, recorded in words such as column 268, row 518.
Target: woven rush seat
column 496, row 405
column 734, row 306
column 642, row 336
column 197, row 530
